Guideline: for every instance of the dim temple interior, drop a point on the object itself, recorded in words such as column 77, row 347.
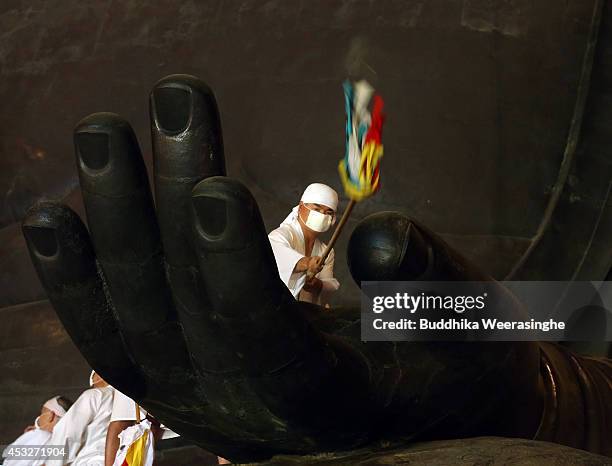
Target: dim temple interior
column 149, row 152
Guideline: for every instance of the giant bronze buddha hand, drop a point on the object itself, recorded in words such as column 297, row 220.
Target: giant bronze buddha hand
column 178, row 304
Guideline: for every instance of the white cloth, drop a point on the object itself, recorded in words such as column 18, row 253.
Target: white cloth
column 130, row 435
column 289, row 247
column 124, row 409
column 35, row 437
column 54, row 406
column 83, row 429
column 319, row 193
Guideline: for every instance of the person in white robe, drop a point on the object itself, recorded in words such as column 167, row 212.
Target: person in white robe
column 38, row 434
column 82, row 431
column 123, row 416
column 298, row 249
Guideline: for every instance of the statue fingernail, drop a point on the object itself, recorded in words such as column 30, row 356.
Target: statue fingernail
column 226, row 214
column 42, row 239
column 211, row 213
column 93, row 149
column 416, row 260
column 172, row 108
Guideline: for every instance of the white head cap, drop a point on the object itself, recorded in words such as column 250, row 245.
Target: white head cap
column 319, row 193
column 53, row 405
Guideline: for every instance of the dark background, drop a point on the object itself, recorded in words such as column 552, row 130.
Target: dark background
column 480, row 97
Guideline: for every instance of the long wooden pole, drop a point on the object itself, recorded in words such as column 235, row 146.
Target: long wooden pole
column 338, row 230
column 336, row 234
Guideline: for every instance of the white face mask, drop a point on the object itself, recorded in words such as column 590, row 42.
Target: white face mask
column 37, row 423
column 91, row 378
column 317, row 221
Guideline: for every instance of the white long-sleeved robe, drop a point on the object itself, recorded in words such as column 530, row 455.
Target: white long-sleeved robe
column 83, row 429
column 289, row 247
column 34, row 438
